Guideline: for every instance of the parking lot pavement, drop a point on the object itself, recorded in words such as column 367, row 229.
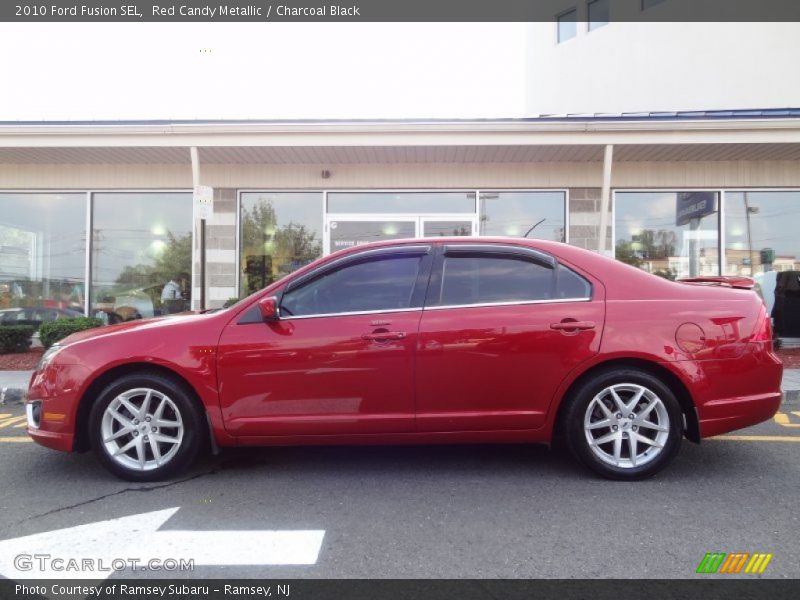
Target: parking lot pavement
column 437, row 511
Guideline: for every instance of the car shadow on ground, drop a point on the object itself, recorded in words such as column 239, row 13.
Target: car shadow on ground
column 693, row 463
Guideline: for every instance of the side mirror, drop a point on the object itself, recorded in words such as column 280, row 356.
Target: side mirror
column 269, row 309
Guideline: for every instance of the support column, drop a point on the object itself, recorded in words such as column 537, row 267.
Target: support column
column 198, row 300
column 605, row 200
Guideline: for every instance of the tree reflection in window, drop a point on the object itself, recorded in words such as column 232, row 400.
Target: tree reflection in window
column 272, row 247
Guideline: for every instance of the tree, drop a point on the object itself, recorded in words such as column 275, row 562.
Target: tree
column 174, row 261
column 624, row 252
column 647, row 247
column 269, row 251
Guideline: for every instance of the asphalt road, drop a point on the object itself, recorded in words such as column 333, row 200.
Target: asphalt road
column 444, row 512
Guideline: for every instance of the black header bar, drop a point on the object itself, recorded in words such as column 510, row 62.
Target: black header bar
column 393, row 10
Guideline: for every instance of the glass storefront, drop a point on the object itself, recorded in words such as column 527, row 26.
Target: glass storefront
column 670, row 234
column 540, row 215
column 42, row 256
column 678, row 234
column 761, row 242
column 349, row 233
column 401, row 202
column 354, row 218
column 761, row 232
column 141, row 255
column 279, row 233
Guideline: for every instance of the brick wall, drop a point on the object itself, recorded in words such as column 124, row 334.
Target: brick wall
column 584, row 218
column 220, row 250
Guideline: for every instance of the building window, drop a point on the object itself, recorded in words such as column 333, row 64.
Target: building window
column 141, row 255
column 401, row 202
column 650, row 3
column 356, row 218
column 761, row 242
column 598, row 13
column 670, row 234
column 567, row 25
column 539, row 215
column 279, row 233
column 42, row 256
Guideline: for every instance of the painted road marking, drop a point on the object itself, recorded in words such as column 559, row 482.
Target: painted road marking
column 138, row 537
column 758, row 438
column 8, row 421
column 784, row 419
column 15, row 439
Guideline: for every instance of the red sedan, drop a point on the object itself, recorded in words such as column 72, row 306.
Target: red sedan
column 439, row 340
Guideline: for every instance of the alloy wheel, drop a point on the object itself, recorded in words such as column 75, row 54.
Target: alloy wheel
column 142, row 429
column 626, row 425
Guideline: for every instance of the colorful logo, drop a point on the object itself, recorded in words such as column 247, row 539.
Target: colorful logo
column 736, row 562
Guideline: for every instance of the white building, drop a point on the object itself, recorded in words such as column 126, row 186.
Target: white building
column 619, row 67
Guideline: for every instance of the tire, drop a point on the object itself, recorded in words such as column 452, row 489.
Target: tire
column 150, row 445
column 618, row 450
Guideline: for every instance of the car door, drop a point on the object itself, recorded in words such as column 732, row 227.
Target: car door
column 339, row 360
column 502, row 327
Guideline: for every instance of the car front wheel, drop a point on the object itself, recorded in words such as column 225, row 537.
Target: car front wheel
column 624, row 424
column 145, row 427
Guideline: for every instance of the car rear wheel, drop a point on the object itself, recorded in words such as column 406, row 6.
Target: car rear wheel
column 624, row 424
column 145, row 427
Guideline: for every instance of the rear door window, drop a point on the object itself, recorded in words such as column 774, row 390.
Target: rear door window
column 486, row 279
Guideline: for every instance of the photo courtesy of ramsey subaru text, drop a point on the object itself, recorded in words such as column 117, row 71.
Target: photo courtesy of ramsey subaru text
column 439, row 340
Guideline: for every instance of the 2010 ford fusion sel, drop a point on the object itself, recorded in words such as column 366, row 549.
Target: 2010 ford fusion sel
column 439, row 340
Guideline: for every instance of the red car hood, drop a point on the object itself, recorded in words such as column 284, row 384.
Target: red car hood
column 155, row 323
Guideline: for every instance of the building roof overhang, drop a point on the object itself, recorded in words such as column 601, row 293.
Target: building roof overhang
column 549, row 139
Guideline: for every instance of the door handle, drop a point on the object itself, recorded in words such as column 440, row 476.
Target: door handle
column 566, row 325
column 383, row 336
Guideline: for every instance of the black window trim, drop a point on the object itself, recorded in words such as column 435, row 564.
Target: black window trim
column 418, row 292
column 518, row 252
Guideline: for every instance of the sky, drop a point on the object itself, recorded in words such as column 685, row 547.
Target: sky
column 99, row 71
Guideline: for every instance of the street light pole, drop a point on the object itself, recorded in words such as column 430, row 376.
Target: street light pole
column 748, row 210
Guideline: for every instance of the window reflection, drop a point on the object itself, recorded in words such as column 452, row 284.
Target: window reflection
column 42, row 257
column 670, row 234
column 280, row 232
column 141, row 255
column 346, row 234
column 384, row 284
column 401, row 202
column 761, row 242
column 538, row 215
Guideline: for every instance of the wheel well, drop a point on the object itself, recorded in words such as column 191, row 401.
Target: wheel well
column 677, row 387
column 81, row 443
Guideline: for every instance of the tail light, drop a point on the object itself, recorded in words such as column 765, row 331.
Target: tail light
column 763, row 328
